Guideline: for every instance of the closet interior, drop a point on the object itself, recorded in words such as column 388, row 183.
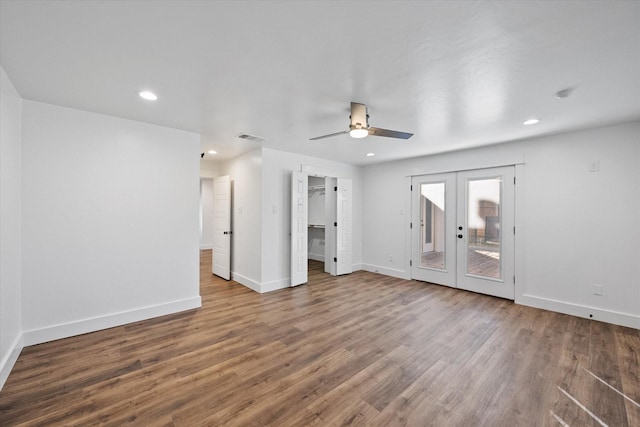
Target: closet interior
column 317, row 219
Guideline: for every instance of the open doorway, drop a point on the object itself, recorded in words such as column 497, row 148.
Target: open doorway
column 206, row 213
column 317, row 224
column 321, row 225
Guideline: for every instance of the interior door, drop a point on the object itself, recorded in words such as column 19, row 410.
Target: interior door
column 221, row 264
column 299, row 225
column 434, row 215
column 485, row 231
column 331, row 223
column 344, row 227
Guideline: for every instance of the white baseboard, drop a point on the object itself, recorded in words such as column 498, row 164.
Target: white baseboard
column 9, row 359
column 316, row 257
column 275, row 285
column 202, row 247
column 616, row 318
column 55, row 332
column 245, row 281
column 400, row 274
column 261, row 287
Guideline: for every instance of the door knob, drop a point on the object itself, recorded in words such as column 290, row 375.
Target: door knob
column 460, row 228
column 459, row 236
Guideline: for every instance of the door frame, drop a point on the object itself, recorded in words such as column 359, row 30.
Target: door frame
column 331, row 235
column 519, row 206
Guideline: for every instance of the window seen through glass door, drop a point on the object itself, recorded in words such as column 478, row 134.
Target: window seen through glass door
column 432, row 225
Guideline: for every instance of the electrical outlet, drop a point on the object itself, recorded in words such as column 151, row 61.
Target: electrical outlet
column 597, row 289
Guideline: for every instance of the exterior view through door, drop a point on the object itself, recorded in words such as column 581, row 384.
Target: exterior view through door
column 463, row 230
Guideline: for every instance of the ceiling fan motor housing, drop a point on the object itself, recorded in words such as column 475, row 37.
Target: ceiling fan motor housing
column 359, row 116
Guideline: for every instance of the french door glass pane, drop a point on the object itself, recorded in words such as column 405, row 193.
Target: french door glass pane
column 483, row 227
column 432, row 210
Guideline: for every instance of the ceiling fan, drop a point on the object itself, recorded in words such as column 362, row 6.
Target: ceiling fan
column 359, row 126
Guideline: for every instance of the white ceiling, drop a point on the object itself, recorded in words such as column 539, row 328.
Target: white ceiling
column 457, row 74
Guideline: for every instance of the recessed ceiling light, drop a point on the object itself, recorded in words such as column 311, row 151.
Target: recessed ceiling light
column 212, row 152
column 531, row 122
column 149, row 96
column 370, row 154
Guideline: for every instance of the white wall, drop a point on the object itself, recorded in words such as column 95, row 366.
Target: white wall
column 276, row 215
column 210, row 169
column 246, row 178
column 109, row 221
column 10, row 224
column 206, row 213
column 577, row 227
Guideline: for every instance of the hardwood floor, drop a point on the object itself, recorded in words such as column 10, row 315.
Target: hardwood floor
column 362, row 349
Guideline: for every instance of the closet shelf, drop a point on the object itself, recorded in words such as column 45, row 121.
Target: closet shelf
column 316, row 225
column 316, row 188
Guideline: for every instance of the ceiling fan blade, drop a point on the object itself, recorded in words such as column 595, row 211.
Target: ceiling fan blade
column 330, row 135
column 389, row 133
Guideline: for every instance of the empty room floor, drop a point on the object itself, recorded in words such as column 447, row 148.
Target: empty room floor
column 361, row 349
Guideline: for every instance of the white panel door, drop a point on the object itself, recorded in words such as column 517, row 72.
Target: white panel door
column 344, row 228
column 221, row 264
column 433, row 214
column 299, row 224
column 485, row 231
column 331, row 223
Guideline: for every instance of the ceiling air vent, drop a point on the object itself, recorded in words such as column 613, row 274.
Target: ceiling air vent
column 248, row 137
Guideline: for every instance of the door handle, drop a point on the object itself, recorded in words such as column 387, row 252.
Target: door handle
column 459, row 236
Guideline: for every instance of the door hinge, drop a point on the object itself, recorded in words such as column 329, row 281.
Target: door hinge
column 410, row 263
column 514, row 230
column 335, row 259
column 335, row 188
column 412, row 187
column 411, row 225
column 514, row 180
column 514, row 279
column 335, row 224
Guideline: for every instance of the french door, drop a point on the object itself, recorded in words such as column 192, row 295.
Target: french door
column 463, row 230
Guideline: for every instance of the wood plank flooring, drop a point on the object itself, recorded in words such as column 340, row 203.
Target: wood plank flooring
column 361, row 349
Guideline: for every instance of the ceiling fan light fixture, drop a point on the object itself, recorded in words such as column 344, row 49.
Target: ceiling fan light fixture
column 358, row 132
